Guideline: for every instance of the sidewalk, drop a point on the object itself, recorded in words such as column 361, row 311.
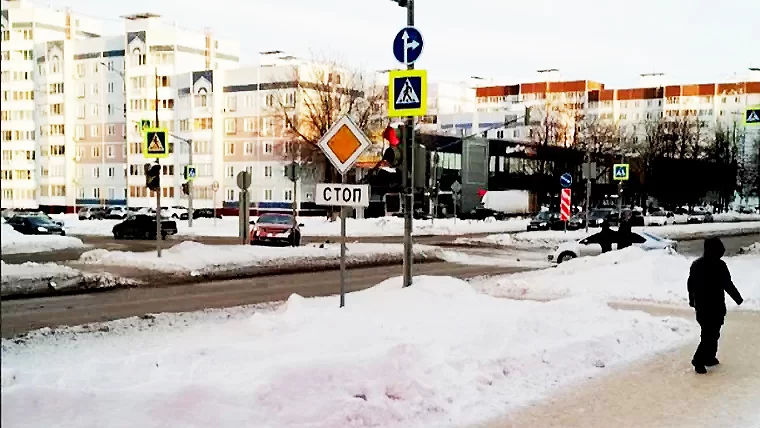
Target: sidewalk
column 663, row 392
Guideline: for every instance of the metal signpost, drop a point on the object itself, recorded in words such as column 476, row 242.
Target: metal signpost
column 215, row 189
column 343, row 143
column 156, row 146
column 244, row 214
column 589, row 173
column 407, row 95
column 293, row 172
column 456, row 195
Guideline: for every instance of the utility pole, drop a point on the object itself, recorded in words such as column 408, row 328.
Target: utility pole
column 158, row 192
column 190, row 187
column 408, row 175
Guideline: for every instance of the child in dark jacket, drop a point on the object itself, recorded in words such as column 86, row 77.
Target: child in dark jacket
column 709, row 280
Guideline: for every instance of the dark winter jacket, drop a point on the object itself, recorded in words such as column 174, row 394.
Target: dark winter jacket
column 605, row 238
column 709, row 280
column 624, row 235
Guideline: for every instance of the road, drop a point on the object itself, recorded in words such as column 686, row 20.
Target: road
column 663, row 391
column 108, row 243
column 23, row 315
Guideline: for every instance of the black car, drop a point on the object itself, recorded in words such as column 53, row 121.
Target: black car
column 546, row 220
column 598, row 216
column 634, row 218
column 31, row 213
column 200, row 213
column 143, row 227
column 35, row 225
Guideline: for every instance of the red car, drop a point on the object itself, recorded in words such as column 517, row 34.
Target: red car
column 276, row 228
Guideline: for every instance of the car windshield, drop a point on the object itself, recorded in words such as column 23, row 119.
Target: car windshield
column 600, row 213
column 544, row 215
column 276, row 219
column 658, row 214
column 40, row 221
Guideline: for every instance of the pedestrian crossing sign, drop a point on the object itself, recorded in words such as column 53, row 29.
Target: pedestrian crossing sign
column 620, row 171
column 155, row 143
column 407, row 93
column 752, row 116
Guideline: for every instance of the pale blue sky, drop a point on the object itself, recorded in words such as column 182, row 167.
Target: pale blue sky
column 609, row 40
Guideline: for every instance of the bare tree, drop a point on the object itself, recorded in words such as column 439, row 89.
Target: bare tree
column 319, row 94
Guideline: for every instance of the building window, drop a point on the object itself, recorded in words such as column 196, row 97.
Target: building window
column 111, row 193
column 111, row 172
column 95, row 151
column 287, row 195
column 111, row 130
column 248, row 148
column 96, row 172
column 96, row 193
column 268, row 171
column 229, row 149
column 230, row 172
column 230, row 194
column 110, row 152
column 95, row 130
column 268, row 194
column 229, row 126
column 268, row 148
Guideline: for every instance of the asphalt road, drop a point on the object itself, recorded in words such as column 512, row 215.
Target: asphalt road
column 108, row 243
column 19, row 316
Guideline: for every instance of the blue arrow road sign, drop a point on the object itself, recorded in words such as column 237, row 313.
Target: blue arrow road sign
column 407, row 46
column 566, row 180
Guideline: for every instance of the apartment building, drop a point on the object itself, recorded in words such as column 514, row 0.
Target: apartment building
column 25, row 29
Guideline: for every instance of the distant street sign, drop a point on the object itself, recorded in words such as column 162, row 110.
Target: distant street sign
column 407, row 93
column 343, row 144
column 620, row 171
column 215, row 186
column 155, row 143
column 190, row 172
column 343, row 195
column 243, row 180
column 564, row 205
column 293, row 171
column 407, row 46
column 589, row 170
column 456, row 187
column 752, row 116
column 566, row 180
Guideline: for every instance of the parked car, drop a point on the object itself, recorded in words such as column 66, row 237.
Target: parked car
column 598, row 216
column 200, row 213
column 117, row 213
column 699, row 216
column 174, row 212
column 32, row 213
column 276, row 228
column 35, row 225
column 545, row 220
column 143, row 227
column 661, row 218
column 92, row 213
column 582, row 248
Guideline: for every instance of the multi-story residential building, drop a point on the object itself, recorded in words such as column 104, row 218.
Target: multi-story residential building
column 26, row 28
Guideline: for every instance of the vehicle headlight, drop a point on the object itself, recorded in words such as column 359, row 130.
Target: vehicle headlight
column 42, row 229
column 543, row 223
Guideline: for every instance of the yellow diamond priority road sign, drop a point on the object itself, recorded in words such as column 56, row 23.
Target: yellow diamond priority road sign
column 155, row 143
column 343, row 144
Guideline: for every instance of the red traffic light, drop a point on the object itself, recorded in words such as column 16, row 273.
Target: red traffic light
column 390, row 135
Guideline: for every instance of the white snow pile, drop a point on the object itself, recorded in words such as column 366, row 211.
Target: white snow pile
column 201, row 259
column 751, row 249
column 733, row 216
column 552, row 238
column 436, row 354
column 631, row 274
column 315, row 226
column 13, row 242
column 35, row 278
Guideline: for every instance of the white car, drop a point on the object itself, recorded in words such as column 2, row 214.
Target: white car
column 173, row 212
column 661, row 218
column 581, row 248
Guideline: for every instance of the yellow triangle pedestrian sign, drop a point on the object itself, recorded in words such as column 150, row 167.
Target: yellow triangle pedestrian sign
column 155, row 144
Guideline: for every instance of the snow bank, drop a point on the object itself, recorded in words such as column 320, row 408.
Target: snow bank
column 631, row 274
column 751, row 249
column 733, row 216
column 13, row 242
column 552, row 238
column 315, row 226
column 201, row 259
column 436, row 354
column 42, row 278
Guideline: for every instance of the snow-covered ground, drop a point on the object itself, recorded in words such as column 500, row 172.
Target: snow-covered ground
column 436, row 354
column 13, row 242
column 200, row 259
column 314, row 226
column 551, row 238
column 631, row 274
column 33, row 278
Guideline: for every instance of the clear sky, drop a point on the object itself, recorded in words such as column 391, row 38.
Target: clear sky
column 612, row 41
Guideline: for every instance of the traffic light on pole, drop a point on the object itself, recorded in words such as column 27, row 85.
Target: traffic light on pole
column 186, row 188
column 402, row 3
column 153, row 176
column 527, row 115
column 393, row 155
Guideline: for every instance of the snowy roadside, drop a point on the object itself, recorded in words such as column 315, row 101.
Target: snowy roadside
column 198, row 260
column 434, row 354
column 30, row 279
column 626, row 275
column 552, row 238
column 316, row 226
column 13, row 242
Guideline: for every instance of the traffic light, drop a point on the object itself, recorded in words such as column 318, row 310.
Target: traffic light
column 186, row 188
column 390, row 135
column 394, row 154
column 527, row 116
column 153, row 176
column 402, row 3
